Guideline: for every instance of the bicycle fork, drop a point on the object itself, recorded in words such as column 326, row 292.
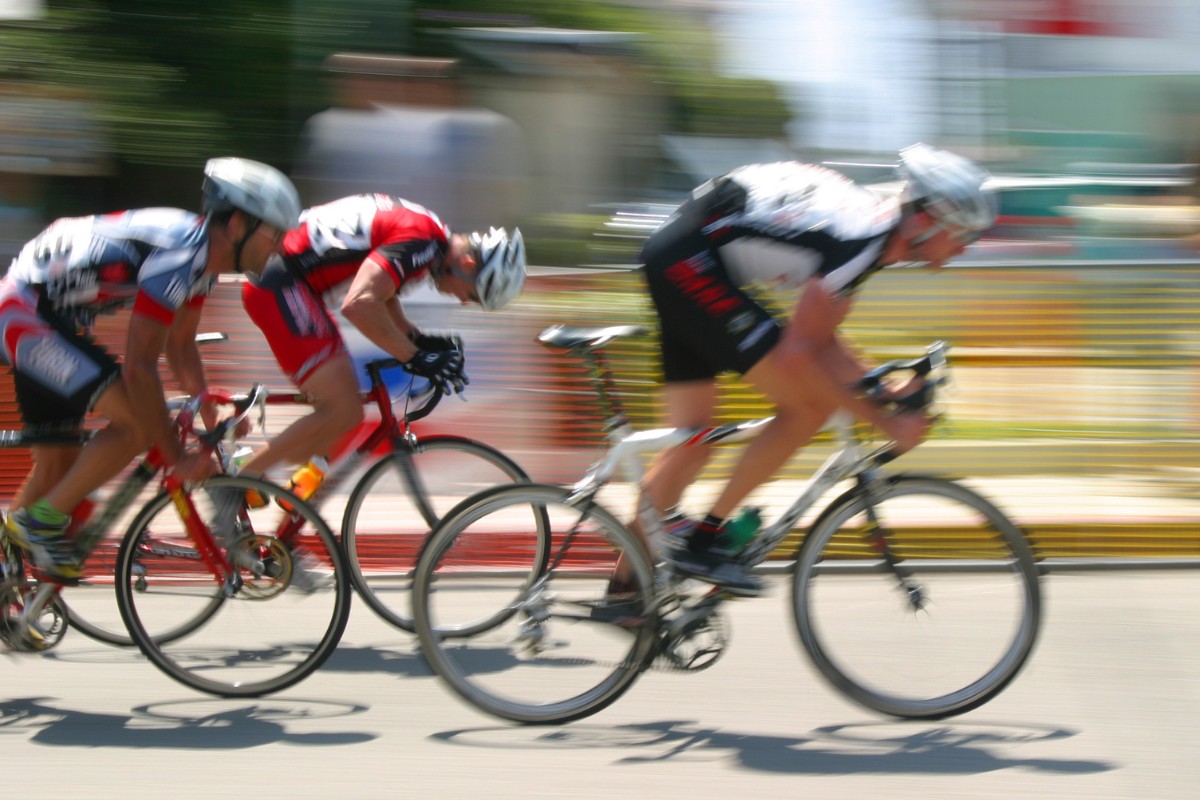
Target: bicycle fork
column 877, row 537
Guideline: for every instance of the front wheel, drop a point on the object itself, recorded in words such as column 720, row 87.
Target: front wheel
column 523, row 643
column 399, row 500
column 283, row 608
column 942, row 630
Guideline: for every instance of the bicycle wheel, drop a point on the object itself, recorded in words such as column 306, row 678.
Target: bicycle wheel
column 91, row 605
column 949, row 639
column 524, row 644
column 398, row 501
column 282, row 614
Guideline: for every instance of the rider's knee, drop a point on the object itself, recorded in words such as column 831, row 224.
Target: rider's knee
column 343, row 411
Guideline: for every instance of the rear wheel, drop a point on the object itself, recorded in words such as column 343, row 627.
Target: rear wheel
column 523, row 643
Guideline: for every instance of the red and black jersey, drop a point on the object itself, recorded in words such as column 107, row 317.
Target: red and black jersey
column 333, row 240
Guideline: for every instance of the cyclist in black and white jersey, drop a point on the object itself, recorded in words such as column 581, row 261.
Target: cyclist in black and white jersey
column 777, row 226
column 160, row 262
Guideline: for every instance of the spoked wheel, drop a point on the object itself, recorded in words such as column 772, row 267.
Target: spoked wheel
column 398, row 501
column 521, row 643
column 279, row 617
column 92, row 604
column 942, row 633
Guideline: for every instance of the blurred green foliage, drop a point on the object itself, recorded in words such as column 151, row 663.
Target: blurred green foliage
column 168, row 79
column 175, row 83
column 677, row 48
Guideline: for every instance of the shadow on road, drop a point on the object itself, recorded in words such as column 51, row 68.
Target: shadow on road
column 894, row 748
column 192, row 724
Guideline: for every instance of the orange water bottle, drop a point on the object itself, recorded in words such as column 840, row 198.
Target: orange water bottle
column 306, row 480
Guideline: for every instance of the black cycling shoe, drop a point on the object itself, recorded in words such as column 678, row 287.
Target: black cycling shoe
column 617, row 609
column 715, row 567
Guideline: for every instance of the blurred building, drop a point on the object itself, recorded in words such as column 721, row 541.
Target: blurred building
column 45, row 132
column 404, row 126
column 586, row 106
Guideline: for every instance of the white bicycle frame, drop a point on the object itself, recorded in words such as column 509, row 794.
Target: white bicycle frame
column 627, row 446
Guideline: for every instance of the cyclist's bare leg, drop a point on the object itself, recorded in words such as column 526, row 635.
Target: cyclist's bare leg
column 50, row 463
column 105, row 455
column 690, row 404
column 798, row 417
column 332, row 388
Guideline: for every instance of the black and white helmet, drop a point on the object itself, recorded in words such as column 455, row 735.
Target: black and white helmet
column 257, row 189
column 501, row 271
column 951, row 188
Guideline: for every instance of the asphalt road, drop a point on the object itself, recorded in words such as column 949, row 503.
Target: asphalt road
column 1107, row 708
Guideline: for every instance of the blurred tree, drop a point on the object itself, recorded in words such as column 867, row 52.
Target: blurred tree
column 678, row 46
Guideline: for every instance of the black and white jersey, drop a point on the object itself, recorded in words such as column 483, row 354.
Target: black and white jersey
column 778, row 224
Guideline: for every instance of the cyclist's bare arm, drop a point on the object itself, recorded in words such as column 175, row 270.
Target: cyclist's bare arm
column 183, row 356
column 371, row 306
column 402, row 322
column 145, row 340
column 834, row 369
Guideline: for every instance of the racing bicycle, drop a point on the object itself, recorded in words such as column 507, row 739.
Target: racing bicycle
column 205, row 587
column 913, row 595
column 411, row 480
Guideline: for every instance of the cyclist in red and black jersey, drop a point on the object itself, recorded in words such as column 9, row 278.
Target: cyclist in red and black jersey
column 811, row 229
column 380, row 245
column 162, row 262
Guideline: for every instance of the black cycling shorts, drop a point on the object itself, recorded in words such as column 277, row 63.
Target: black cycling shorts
column 708, row 324
column 59, row 374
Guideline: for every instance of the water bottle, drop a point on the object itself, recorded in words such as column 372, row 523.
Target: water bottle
column 737, row 532
column 240, row 457
column 306, row 480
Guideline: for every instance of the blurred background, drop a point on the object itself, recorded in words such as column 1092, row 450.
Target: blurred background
column 1074, row 323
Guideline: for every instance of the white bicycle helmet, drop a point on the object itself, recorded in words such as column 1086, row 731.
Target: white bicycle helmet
column 501, row 271
column 259, row 190
column 951, row 188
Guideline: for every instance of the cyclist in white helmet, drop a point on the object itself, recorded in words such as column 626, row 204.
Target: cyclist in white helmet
column 379, row 245
column 785, row 225
column 161, row 263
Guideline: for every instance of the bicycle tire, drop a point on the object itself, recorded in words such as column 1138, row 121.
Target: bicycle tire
column 91, row 605
column 275, row 626
column 551, row 636
column 398, row 501
column 959, row 549
column 99, row 633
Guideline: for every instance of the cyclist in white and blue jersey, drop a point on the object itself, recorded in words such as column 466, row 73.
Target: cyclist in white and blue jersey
column 161, row 263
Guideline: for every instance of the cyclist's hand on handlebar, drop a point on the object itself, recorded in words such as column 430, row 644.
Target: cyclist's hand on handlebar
column 194, row 467
column 444, row 367
column 435, row 342
column 906, row 429
column 211, row 417
column 891, row 392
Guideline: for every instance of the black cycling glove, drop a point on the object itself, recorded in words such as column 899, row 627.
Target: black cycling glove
column 432, row 341
column 444, row 367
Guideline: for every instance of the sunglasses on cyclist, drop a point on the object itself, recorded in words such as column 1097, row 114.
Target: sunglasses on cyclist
column 270, row 232
column 956, row 233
